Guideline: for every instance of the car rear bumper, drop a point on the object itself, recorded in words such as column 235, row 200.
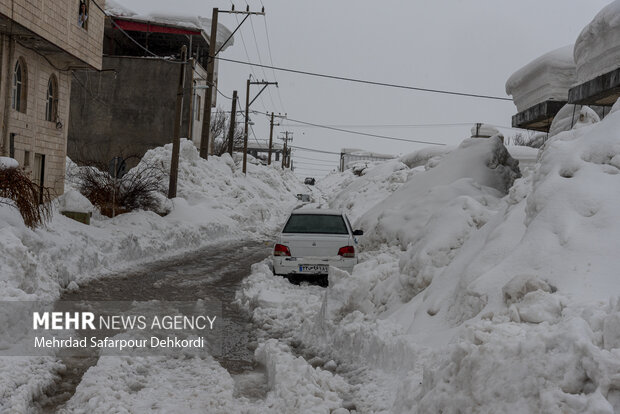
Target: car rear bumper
column 285, row 265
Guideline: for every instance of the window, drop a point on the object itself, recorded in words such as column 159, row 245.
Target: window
column 19, row 86
column 51, row 104
column 197, row 107
column 26, row 158
column 83, row 14
column 315, row 223
column 12, row 145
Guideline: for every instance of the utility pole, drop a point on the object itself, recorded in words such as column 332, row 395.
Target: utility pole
column 285, row 150
column 233, row 125
column 270, row 139
column 205, row 136
column 247, row 115
column 271, row 136
column 176, row 137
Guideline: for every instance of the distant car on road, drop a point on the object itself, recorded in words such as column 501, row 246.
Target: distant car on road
column 309, row 181
column 311, row 241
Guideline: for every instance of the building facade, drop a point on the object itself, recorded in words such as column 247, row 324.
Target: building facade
column 130, row 107
column 41, row 43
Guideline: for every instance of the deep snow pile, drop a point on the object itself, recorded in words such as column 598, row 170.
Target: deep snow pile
column 190, row 384
column 496, row 304
column 364, row 185
column 220, row 203
column 548, row 77
column 597, row 48
column 399, row 219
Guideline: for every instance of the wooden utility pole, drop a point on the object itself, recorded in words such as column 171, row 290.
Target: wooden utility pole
column 270, row 139
column 286, row 150
column 245, row 129
column 176, row 137
column 233, row 124
column 205, row 136
column 247, row 115
column 206, row 144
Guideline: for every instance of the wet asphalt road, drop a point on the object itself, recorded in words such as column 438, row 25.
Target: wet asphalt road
column 214, row 273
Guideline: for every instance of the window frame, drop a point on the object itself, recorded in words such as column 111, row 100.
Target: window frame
column 51, row 100
column 19, row 86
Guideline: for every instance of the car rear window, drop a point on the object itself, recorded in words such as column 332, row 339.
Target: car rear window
column 315, row 223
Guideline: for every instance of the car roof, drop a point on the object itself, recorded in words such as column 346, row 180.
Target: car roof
column 322, row 211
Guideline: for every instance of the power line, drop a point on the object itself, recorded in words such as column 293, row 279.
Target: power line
column 313, row 150
column 311, row 163
column 368, row 82
column 313, row 159
column 261, row 61
column 271, row 60
column 362, row 133
column 388, row 125
column 248, row 56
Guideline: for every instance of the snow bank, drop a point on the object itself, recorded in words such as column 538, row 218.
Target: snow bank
column 597, row 49
column 484, row 131
column 423, row 156
column 476, row 173
column 476, row 301
column 162, row 384
column 356, row 190
column 548, row 77
column 572, row 116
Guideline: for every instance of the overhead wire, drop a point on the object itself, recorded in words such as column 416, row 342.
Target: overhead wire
column 313, row 150
column 368, row 82
column 271, row 61
column 261, row 61
column 348, row 131
column 248, row 56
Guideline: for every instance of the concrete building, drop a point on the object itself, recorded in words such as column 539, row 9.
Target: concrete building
column 260, row 150
column 129, row 107
column 41, row 43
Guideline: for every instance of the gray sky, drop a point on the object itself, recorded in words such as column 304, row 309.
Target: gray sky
column 470, row 46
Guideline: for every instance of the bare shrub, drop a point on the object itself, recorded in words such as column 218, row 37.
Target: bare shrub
column 140, row 189
column 32, row 200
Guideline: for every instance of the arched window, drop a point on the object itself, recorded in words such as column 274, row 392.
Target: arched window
column 19, row 86
column 51, row 103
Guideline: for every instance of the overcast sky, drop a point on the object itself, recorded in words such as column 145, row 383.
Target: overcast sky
column 470, row 46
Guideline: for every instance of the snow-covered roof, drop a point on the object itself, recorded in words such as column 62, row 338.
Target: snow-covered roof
column 597, row 49
column 203, row 24
column 548, row 77
column 114, row 8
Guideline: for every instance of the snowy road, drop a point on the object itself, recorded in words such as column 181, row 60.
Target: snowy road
column 210, row 274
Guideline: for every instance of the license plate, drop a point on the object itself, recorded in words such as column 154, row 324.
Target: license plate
column 314, row 268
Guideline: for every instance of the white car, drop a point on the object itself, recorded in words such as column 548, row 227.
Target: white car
column 312, row 240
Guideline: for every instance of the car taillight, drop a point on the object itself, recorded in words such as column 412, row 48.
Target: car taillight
column 346, row 251
column 281, row 250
